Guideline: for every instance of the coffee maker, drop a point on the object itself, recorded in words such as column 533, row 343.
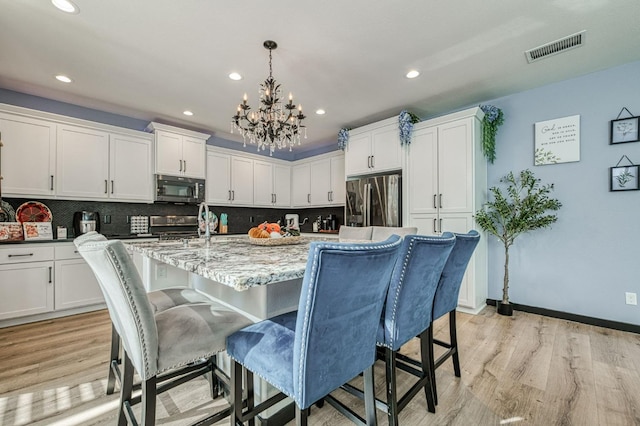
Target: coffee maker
column 85, row 221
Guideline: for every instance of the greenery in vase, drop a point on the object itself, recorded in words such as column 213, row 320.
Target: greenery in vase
column 493, row 118
column 406, row 120
column 524, row 207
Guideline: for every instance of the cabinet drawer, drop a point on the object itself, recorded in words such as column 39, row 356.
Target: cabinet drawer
column 25, row 253
column 67, row 251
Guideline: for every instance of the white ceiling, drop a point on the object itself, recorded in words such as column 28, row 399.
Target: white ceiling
column 152, row 59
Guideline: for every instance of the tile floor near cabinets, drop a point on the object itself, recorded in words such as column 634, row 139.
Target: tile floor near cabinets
column 522, row 370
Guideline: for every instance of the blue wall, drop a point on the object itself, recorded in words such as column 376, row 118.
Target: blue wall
column 587, row 261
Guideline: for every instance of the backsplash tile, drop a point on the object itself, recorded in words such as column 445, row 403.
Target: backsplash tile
column 239, row 217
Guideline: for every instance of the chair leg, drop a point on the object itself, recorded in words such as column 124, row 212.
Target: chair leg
column 301, row 416
column 235, row 394
column 214, row 383
column 149, row 387
column 432, row 365
column 126, row 389
column 250, row 395
column 454, row 342
column 113, row 357
column 427, row 360
column 392, row 395
column 369, row 397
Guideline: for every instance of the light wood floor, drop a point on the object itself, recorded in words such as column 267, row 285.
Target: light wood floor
column 523, row 370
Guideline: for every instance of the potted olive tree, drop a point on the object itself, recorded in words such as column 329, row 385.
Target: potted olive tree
column 524, row 207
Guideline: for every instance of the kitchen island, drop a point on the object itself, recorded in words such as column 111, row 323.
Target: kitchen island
column 230, row 269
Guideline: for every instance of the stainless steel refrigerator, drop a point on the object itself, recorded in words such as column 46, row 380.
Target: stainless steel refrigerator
column 374, row 200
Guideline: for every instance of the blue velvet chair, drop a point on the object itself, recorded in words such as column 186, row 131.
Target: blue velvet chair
column 446, row 301
column 330, row 339
column 164, row 348
column 407, row 314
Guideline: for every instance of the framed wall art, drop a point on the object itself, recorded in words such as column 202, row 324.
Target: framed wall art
column 624, row 178
column 624, row 130
column 557, row 141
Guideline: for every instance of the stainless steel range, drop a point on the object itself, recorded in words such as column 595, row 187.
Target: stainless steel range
column 174, row 227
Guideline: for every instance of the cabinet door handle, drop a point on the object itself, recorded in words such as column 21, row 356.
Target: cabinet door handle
column 112, row 185
column 229, row 198
column 435, row 205
column 309, row 198
column 50, row 274
column 180, row 165
column 52, row 182
column 275, row 198
column 106, row 184
column 233, row 195
column 440, row 200
column 21, row 255
column 369, row 162
column 434, row 226
column 185, row 165
column 440, row 225
column 373, row 161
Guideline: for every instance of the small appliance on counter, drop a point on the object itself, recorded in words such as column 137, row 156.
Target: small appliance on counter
column 85, row 221
column 292, row 221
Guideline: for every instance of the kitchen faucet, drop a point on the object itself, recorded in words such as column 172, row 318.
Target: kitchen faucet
column 207, row 219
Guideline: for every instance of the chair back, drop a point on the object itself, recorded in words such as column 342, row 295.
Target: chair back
column 130, row 311
column 381, row 233
column 413, row 285
column 341, row 300
column 446, row 298
column 358, row 233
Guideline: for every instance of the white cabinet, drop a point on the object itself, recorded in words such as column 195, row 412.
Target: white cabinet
column 28, row 156
column 179, row 152
column 271, row 184
column 445, row 183
column 26, row 280
column 93, row 164
column 82, row 168
column 229, row 179
column 374, row 148
column 75, row 283
column 319, row 182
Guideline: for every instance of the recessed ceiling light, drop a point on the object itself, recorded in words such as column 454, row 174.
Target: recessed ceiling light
column 63, row 78
column 235, row 76
column 320, row 111
column 66, row 6
column 413, row 74
column 187, row 112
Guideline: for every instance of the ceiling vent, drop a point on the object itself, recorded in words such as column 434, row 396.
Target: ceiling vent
column 555, row 47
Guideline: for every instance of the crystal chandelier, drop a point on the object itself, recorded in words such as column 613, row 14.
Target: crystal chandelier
column 274, row 124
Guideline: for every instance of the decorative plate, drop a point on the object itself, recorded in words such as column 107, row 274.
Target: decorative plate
column 8, row 214
column 275, row 241
column 33, row 211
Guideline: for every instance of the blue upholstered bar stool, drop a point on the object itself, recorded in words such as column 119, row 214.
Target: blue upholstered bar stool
column 446, row 301
column 407, row 313
column 164, row 348
column 160, row 300
column 328, row 341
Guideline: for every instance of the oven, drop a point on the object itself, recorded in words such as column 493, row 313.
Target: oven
column 179, row 190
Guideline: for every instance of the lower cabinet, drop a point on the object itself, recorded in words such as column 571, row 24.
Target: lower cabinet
column 45, row 278
column 26, row 289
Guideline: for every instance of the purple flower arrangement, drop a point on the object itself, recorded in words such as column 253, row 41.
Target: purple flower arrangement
column 406, row 120
column 343, row 138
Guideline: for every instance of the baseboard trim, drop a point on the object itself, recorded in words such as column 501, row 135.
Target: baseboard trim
column 615, row 325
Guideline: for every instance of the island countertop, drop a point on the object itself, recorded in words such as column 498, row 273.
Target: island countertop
column 234, row 262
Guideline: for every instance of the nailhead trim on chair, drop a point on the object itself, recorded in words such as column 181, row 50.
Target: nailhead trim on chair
column 143, row 344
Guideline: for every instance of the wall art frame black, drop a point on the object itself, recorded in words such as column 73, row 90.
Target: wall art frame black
column 624, row 178
column 624, row 130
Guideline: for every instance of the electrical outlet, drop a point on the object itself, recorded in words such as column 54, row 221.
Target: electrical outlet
column 251, row 219
column 107, row 218
column 631, row 298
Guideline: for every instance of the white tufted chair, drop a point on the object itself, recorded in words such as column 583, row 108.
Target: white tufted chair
column 164, row 348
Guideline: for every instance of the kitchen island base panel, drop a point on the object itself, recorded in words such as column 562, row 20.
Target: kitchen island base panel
column 258, row 303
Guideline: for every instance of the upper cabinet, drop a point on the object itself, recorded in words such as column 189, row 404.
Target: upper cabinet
column 28, row 156
column 319, row 182
column 52, row 156
column 179, row 152
column 271, row 184
column 229, row 179
column 374, row 148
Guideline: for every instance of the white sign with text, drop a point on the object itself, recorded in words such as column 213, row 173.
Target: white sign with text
column 557, row 141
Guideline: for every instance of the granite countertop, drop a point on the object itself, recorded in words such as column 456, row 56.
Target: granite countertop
column 234, row 262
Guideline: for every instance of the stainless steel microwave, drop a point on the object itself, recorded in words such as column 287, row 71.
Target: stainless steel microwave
column 177, row 189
